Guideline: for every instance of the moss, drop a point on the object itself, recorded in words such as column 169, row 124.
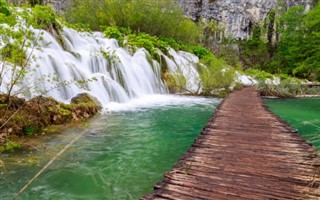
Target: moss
column 40, row 113
column 175, row 82
column 85, row 98
column 10, row 146
column 51, row 130
column 64, row 111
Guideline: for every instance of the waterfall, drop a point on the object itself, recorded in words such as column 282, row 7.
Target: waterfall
column 184, row 64
column 111, row 73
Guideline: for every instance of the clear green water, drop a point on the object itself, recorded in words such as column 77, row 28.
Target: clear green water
column 303, row 114
column 121, row 156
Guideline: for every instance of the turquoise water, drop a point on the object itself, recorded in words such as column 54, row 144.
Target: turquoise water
column 303, row 114
column 121, row 155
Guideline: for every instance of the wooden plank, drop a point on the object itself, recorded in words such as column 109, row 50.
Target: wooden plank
column 244, row 152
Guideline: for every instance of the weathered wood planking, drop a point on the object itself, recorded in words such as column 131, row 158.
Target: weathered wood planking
column 244, row 152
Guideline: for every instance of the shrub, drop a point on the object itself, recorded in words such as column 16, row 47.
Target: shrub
column 3, row 8
column 287, row 90
column 43, row 17
column 157, row 18
column 259, row 75
column 201, row 52
column 10, row 146
column 215, row 75
column 114, row 32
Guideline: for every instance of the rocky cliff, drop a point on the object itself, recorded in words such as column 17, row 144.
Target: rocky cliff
column 237, row 16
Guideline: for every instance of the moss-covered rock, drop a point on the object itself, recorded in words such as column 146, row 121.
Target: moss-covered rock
column 85, row 98
column 35, row 116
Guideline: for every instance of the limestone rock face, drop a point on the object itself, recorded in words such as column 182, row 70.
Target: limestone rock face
column 238, row 16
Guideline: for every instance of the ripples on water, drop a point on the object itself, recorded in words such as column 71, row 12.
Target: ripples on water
column 121, row 156
column 303, row 114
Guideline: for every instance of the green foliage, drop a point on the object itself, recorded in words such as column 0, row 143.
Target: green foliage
column 139, row 40
column 28, row 130
column 114, row 32
column 297, row 52
column 33, row 161
column 299, row 46
column 260, row 76
column 215, row 75
column 173, row 43
column 5, row 14
column 15, row 39
column 152, row 43
column 3, row 8
column 287, row 89
column 254, row 52
column 175, row 82
column 78, row 26
column 110, row 55
column 201, row 52
column 43, row 17
column 63, row 111
column 289, row 50
column 157, row 18
column 286, row 79
column 10, row 146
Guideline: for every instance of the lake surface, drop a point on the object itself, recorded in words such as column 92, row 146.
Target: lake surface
column 303, row 114
column 121, row 155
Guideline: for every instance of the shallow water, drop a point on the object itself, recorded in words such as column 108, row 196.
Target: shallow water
column 303, row 114
column 121, row 155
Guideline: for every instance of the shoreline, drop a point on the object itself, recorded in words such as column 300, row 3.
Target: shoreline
column 41, row 116
column 297, row 96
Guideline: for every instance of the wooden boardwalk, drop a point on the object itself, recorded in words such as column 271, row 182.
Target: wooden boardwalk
column 244, row 152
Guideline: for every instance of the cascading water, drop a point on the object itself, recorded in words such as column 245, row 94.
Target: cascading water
column 118, row 75
column 183, row 64
column 104, row 69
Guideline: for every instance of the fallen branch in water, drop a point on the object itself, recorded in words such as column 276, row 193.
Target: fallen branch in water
column 49, row 163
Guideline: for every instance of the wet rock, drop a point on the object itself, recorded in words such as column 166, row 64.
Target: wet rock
column 86, row 98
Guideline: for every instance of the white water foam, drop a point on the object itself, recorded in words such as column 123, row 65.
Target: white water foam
column 120, row 76
column 153, row 101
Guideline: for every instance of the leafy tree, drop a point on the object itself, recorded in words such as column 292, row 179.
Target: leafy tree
column 310, row 64
column 15, row 38
column 289, row 48
column 299, row 46
column 254, row 52
column 158, row 18
column 43, row 17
